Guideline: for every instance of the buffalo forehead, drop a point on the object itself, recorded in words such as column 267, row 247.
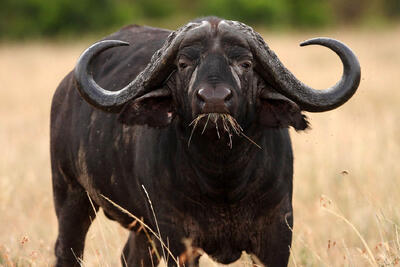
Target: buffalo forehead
column 197, row 34
column 229, row 34
column 218, row 35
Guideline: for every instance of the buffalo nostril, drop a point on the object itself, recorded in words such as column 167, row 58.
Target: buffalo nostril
column 228, row 95
column 202, row 95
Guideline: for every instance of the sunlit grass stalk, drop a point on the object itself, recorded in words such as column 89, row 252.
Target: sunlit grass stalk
column 397, row 238
column 340, row 216
column 315, row 254
column 229, row 125
column 153, row 245
column 144, row 225
column 194, row 123
column 155, row 219
column 100, row 226
column 79, row 260
column 293, row 256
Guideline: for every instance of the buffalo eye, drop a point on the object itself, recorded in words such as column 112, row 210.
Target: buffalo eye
column 246, row 65
column 183, row 64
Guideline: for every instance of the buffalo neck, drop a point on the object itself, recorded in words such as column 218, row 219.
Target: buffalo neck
column 218, row 170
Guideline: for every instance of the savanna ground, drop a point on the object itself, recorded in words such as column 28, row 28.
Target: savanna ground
column 347, row 170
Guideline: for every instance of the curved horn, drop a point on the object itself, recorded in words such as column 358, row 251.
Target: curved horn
column 156, row 72
column 287, row 84
column 313, row 100
column 88, row 88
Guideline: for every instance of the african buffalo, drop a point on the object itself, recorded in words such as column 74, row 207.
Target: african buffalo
column 198, row 117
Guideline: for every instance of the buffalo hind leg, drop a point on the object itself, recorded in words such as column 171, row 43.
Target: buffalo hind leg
column 138, row 251
column 75, row 214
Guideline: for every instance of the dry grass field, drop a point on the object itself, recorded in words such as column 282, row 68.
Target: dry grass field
column 347, row 167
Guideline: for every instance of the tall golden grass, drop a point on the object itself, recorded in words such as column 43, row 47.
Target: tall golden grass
column 347, row 171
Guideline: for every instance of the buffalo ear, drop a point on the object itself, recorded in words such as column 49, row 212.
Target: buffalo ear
column 155, row 109
column 277, row 111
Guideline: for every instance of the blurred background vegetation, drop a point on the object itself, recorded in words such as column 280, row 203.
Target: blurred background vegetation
column 26, row 19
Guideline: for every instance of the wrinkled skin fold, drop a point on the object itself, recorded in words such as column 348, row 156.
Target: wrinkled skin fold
column 199, row 117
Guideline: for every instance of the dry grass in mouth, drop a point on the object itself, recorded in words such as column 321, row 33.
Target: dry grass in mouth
column 229, row 125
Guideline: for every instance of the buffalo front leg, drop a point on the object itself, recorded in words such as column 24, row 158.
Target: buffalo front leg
column 75, row 214
column 273, row 246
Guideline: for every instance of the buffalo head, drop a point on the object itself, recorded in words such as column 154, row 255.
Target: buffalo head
column 215, row 66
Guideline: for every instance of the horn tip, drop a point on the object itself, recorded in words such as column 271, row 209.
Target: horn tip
column 116, row 42
column 324, row 41
column 123, row 43
column 310, row 41
column 106, row 44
